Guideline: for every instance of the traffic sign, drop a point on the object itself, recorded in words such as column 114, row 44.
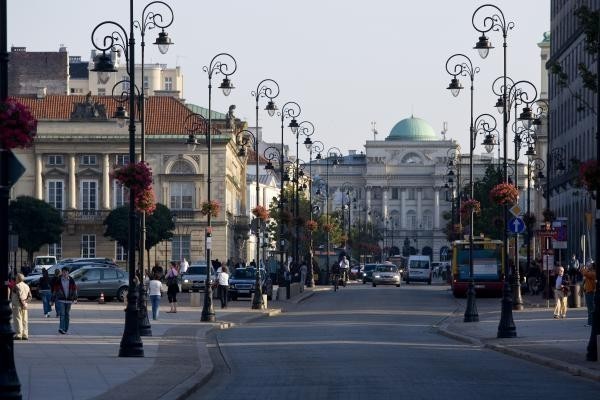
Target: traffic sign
column 546, row 232
column 15, row 169
column 515, row 210
column 516, row 225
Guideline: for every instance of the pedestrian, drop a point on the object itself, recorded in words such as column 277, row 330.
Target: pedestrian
column 223, row 280
column 183, row 267
column 561, row 290
column 45, row 292
column 172, row 286
column 55, row 279
column 573, row 268
column 65, row 294
column 21, row 296
column 303, row 271
column 157, row 270
column 154, row 287
column 533, row 279
column 589, row 289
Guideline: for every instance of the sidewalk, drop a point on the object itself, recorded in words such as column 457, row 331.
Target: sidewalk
column 84, row 364
column 559, row 344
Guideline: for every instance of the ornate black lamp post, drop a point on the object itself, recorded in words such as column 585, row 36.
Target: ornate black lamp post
column 333, row 154
column 346, row 188
column 270, row 89
column 316, row 146
column 495, row 20
column 454, row 166
column 534, row 166
column 225, row 64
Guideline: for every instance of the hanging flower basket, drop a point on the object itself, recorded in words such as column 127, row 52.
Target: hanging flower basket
column 504, row 194
column 311, row 225
column 145, row 201
column 549, row 215
column 18, row 127
column 327, row 227
column 137, row 177
column 589, row 175
column 260, row 212
column 468, row 206
column 211, row 208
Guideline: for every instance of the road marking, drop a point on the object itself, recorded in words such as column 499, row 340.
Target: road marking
column 345, row 342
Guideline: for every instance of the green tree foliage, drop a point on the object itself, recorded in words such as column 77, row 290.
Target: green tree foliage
column 489, row 222
column 36, row 222
column 159, row 226
column 117, row 226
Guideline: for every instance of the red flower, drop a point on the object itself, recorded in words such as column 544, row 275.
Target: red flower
column 210, row 207
column 327, row 227
column 135, row 176
column 260, row 212
column 504, row 193
column 311, row 225
column 18, row 127
column 469, row 205
column 145, row 201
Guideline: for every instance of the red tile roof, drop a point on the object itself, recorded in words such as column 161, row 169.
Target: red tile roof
column 164, row 115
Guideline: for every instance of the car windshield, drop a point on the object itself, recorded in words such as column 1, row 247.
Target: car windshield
column 45, row 260
column 419, row 264
column 244, row 273
column 387, row 268
column 77, row 274
column 370, row 267
column 196, row 270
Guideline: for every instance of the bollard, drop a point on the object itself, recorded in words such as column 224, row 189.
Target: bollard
column 574, row 299
column 195, row 298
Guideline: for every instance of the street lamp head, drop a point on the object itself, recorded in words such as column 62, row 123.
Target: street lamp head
column 318, row 157
column 104, row 65
column 455, row 87
column 163, row 41
column 450, row 173
column 318, row 192
column 122, row 116
column 308, row 143
column 293, row 125
column 526, row 117
column 500, row 105
column 271, row 108
column 226, row 86
column 269, row 166
column 483, row 46
column 242, row 151
column 530, row 151
column 191, row 142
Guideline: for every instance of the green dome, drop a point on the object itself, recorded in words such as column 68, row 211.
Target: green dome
column 413, row 129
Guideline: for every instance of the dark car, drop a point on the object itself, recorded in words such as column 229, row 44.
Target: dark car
column 367, row 272
column 243, row 280
column 34, row 280
column 92, row 281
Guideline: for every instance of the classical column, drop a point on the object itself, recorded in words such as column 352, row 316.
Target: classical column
column 105, row 183
column 384, row 203
column 368, row 202
column 419, row 207
column 39, row 183
column 403, row 208
column 436, row 205
column 72, row 183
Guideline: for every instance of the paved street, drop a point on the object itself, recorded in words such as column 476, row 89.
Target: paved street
column 365, row 343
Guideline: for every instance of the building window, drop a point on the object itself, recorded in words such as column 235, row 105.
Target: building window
column 168, row 83
column 55, row 249
column 120, row 252
column 182, row 195
column 180, row 247
column 101, row 92
column 55, row 193
column 411, row 220
column 88, row 159
column 56, row 159
column 411, row 194
column 427, row 220
column 121, row 194
column 88, row 246
column 146, row 82
column 125, row 83
column 394, row 193
column 89, row 195
column 121, row 159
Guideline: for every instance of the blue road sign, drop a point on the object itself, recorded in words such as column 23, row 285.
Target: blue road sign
column 516, row 225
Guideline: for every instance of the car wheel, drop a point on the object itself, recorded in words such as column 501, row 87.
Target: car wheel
column 91, row 298
column 407, row 280
column 398, row 285
column 364, row 281
column 108, row 299
column 429, row 282
column 122, row 293
column 374, row 285
column 234, row 297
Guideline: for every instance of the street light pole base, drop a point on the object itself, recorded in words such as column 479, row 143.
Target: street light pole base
column 471, row 314
column 10, row 387
column 506, row 328
column 131, row 342
column 208, row 311
column 142, row 316
column 517, row 299
column 257, row 300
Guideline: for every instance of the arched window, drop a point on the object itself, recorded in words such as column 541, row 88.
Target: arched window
column 412, row 158
column 427, row 220
column 411, row 219
column 182, row 167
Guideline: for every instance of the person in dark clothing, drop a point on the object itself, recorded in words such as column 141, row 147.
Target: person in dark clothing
column 157, row 271
column 53, row 282
column 45, row 289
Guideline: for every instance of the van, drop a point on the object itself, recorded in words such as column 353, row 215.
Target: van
column 43, row 262
column 419, row 269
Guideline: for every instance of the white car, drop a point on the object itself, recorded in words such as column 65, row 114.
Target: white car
column 386, row 275
column 43, row 262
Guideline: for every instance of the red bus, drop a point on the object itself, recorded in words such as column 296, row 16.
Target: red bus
column 488, row 267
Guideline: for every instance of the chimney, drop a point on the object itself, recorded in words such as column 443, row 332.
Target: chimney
column 62, row 48
column 41, row 92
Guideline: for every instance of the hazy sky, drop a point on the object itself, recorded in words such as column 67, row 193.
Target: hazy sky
column 346, row 62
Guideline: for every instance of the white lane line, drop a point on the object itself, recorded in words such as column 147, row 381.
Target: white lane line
column 344, row 342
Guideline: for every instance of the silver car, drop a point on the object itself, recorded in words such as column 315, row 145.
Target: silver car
column 93, row 281
column 195, row 277
column 386, row 275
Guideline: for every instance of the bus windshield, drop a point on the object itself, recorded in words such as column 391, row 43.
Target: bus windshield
column 487, row 262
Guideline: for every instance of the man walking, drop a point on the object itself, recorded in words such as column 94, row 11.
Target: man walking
column 65, row 293
column 589, row 289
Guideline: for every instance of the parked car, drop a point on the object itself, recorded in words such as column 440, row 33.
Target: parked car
column 367, row 272
column 243, row 280
column 419, row 269
column 356, row 272
column 92, row 281
column 42, row 262
column 195, row 277
column 34, row 279
column 386, row 274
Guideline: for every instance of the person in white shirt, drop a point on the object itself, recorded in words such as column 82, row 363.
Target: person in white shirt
column 561, row 286
column 183, row 267
column 303, row 271
column 223, row 279
column 154, row 287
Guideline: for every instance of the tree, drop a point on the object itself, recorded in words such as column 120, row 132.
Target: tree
column 117, row 226
column 490, row 221
column 36, row 222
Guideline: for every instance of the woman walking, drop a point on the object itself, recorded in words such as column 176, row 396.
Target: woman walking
column 46, row 292
column 155, row 293
column 21, row 296
column 172, row 286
